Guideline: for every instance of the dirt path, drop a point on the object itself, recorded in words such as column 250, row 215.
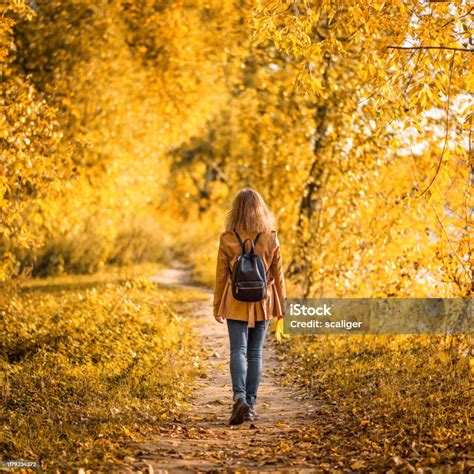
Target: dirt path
column 202, row 440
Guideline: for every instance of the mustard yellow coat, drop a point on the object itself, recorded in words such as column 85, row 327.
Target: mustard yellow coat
column 225, row 305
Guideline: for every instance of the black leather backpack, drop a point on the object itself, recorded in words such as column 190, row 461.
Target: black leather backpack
column 249, row 278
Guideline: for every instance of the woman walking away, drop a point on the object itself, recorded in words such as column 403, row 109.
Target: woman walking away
column 249, row 291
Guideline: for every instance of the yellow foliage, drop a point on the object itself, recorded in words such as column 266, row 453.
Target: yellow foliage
column 126, row 129
column 88, row 358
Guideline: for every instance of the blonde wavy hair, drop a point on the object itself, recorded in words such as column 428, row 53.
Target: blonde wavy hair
column 250, row 213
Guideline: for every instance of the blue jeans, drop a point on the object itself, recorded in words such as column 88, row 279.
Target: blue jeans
column 246, row 347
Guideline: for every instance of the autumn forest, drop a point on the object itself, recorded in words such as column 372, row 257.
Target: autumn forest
column 126, row 129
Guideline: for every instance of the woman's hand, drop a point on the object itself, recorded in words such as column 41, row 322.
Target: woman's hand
column 219, row 319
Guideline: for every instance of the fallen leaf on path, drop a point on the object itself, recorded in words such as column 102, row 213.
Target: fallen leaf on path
column 397, row 460
column 150, row 469
column 358, row 464
column 195, row 417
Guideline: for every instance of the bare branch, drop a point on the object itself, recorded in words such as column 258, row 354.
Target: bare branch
column 459, row 18
column 447, row 128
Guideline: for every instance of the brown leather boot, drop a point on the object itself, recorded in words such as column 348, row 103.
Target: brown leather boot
column 240, row 411
column 252, row 414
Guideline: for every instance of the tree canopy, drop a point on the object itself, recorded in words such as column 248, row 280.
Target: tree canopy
column 353, row 120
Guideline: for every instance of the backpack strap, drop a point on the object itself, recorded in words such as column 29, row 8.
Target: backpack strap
column 252, row 247
column 255, row 243
column 241, row 242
